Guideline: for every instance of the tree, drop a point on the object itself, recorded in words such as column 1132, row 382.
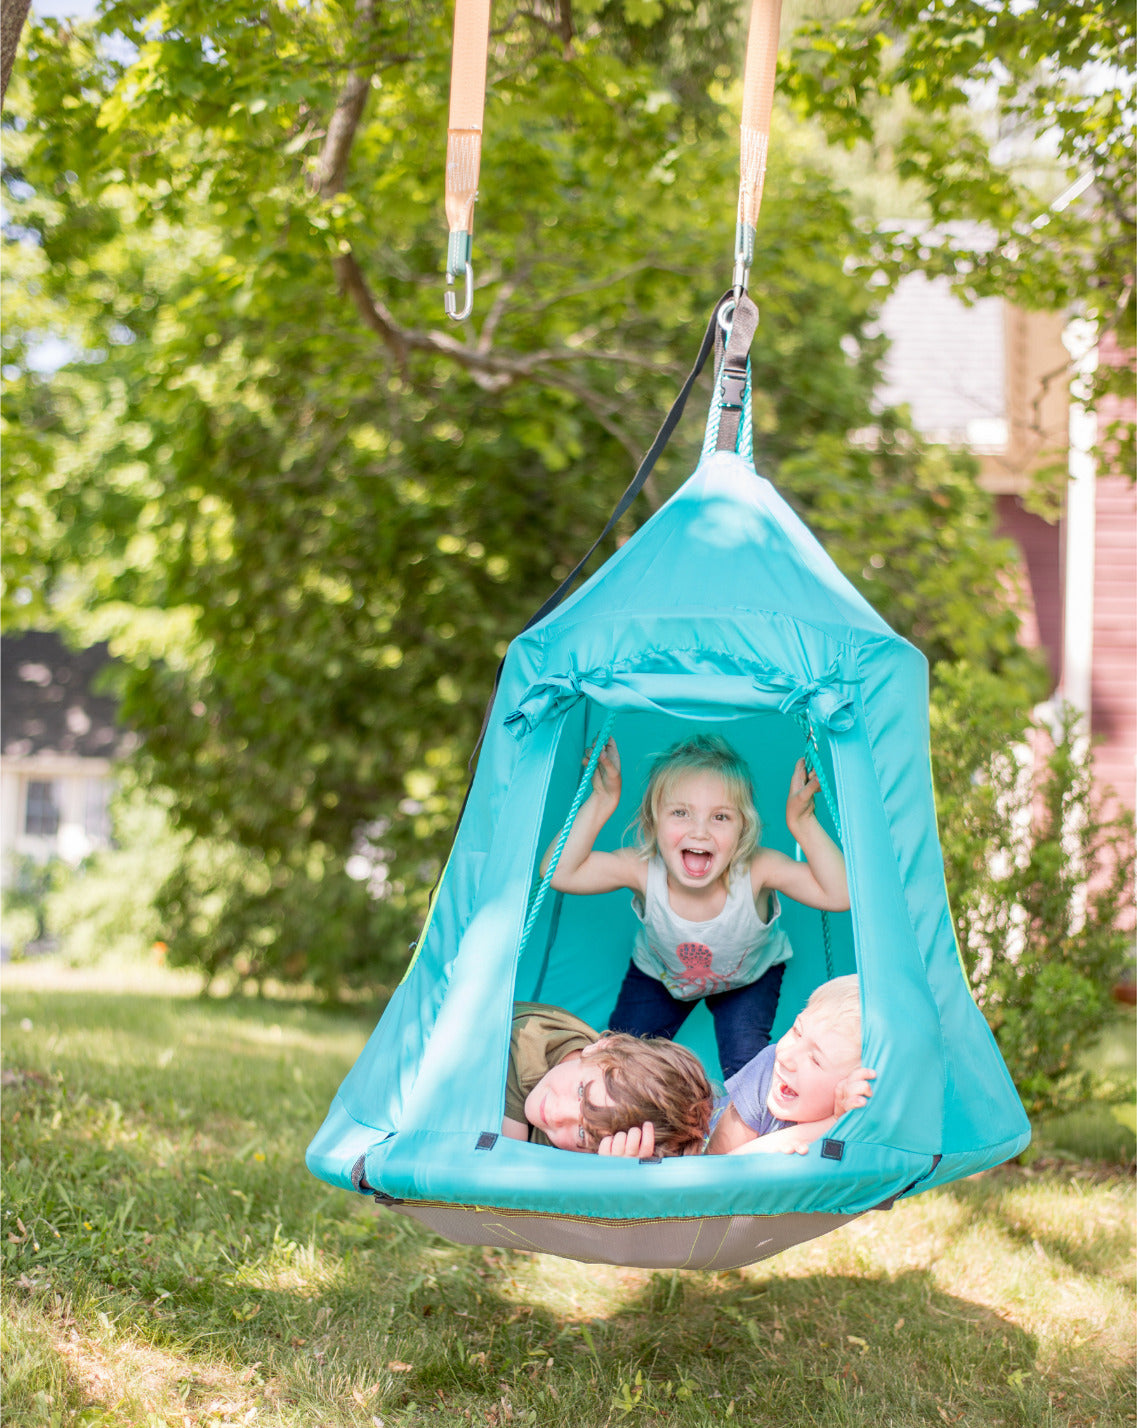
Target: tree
column 1019, row 118
column 13, row 13
column 305, row 515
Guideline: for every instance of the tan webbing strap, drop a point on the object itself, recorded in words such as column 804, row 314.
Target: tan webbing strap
column 757, row 105
column 464, row 141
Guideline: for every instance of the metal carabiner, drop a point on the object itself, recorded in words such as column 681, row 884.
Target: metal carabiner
column 450, row 297
column 743, row 258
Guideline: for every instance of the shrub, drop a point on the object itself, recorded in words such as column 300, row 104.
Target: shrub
column 1039, row 876
column 106, row 904
column 27, row 919
column 232, row 912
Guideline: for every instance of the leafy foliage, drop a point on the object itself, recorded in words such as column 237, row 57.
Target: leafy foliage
column 305, row 517
column 26, row 899
column 106, row 905
column 1017, row 118
column 1039, row 877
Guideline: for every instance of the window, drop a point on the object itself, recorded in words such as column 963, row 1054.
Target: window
column 96, row 815
column 41, row 814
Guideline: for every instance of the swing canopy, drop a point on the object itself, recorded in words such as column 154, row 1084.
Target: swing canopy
column 721, row 614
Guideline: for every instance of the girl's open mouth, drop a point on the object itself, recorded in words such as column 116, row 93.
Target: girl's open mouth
column 696, row 863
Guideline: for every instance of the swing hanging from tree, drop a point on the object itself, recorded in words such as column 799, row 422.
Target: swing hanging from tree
column 762, row 640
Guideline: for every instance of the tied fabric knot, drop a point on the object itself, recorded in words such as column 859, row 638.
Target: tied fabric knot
column 553, row 695
column 823, row 701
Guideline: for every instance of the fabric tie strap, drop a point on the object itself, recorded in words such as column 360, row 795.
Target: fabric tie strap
column 823, row 701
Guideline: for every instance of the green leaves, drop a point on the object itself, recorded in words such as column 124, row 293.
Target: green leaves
column 1037, row 876
column 992, row 113
column 307, row 517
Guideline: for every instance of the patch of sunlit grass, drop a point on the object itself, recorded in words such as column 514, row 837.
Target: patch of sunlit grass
column 168, row 1260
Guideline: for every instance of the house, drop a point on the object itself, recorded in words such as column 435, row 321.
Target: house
column 996, row 380
column 58, row 741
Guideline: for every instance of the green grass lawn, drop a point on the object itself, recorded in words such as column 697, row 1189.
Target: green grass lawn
column 167, row 1259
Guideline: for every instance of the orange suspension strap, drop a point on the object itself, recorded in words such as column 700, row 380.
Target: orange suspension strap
column 757, row 105
column 464, row 144
column 738, row 316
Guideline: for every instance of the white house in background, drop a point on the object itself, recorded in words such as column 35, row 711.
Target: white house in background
column 58, row 741
column 995, row 380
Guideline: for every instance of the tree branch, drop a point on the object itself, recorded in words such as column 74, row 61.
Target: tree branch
column 491, row 369
column 353, row 285
column 331, row 166
column 13, row 13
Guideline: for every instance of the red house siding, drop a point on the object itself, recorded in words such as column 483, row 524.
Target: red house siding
column 1040, row 543
column 1114, row 710
column 1114, row 698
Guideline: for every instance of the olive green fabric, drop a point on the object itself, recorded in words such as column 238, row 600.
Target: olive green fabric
column 542, row 1037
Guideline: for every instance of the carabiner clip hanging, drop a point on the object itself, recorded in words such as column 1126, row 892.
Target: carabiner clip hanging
column 464, row 144
column 743, row 258
column 450, row 298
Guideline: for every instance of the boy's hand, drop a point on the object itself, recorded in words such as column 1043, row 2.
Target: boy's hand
column 799, row 805
column 853, row 1091
column 606, row 779
column 639, row 1142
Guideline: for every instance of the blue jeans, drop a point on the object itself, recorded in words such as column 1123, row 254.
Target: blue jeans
column 744, row 1016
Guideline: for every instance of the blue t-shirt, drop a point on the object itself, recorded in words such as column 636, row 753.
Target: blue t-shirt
column 749, row 1088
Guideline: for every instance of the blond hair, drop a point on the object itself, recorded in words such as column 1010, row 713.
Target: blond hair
column 649, row 1079
column 704, row 753
column 836, row 1006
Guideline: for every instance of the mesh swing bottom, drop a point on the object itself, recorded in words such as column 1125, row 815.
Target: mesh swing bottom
column 715, row 1242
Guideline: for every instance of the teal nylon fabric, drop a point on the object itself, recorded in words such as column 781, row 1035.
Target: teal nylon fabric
column 721, row 613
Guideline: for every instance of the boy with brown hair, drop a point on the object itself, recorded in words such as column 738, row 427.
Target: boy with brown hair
column 570, row 1087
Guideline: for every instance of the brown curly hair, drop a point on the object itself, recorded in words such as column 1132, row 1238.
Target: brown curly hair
column 650, row 1079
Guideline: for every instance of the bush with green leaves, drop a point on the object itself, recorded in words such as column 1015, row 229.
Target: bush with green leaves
column 106, row 905
column 1040, row 876
column 237, row 915
column 27, row 919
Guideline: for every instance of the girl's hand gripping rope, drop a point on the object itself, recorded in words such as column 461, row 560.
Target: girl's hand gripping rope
column 804, row 788
column 582, row 868
column 606, row 781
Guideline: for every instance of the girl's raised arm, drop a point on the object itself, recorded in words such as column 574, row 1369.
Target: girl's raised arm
column 818, row 882
column 583, row 869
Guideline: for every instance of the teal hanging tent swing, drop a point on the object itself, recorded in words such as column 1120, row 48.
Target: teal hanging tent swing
column 721, row 614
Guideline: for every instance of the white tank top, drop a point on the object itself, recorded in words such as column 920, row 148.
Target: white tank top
column 697, row 959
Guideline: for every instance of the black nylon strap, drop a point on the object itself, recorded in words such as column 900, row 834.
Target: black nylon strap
column 662, row 436
column 732, row 381
column 670, row 422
